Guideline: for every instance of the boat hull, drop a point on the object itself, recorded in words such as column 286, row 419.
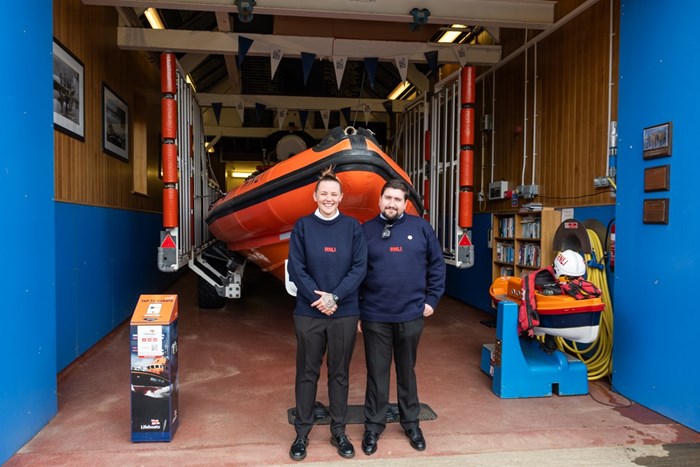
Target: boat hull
column 256, row 219
column 560, row 315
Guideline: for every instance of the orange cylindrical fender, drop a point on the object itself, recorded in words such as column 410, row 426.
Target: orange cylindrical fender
column 466, row 167
column 169, row 163
column 170, row 207
column 168, row 111
column 468, row 76
column 466, row 200
column 466, row 137
column 168, row 83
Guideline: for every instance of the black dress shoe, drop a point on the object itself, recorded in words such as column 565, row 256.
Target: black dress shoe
column 345, row 447
column 298, row 450
column 416, row 438
column 369, row 442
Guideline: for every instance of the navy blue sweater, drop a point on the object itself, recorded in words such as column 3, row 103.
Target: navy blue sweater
column 330, row 256
column 404, row 271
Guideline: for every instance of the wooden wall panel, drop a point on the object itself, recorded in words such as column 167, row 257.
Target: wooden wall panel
column 571, row 86
column 83, row 173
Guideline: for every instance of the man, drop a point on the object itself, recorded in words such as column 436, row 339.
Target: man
column 405, row 279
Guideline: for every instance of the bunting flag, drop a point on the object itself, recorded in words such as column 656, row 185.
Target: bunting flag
column 281, row 116
column 259, row 111
column 432, row 58
column 243, row 46
column 275, row 59
column 303, row 115
column 371, row 68
column 461, row 53
column 346, row 114
column 326, row 116
column 216, row 107
column 402, row 65
column 240, row 106
column 307, row 62
column 367, row 111
column 339, row 66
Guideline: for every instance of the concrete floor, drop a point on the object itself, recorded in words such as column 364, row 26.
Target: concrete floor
column 237, row 382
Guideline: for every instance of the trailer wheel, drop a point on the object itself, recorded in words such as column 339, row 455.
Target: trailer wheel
column 207, row 297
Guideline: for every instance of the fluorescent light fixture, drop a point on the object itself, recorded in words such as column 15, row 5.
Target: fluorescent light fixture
column 241, row 174
column 449, row 36
column 190, row 81
column 398, row 90
column 154, row 18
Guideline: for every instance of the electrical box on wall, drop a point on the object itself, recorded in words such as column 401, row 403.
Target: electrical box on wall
column 497, row 190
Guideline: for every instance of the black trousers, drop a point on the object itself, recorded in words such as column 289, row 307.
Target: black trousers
column 314, row 335
column 381, row 340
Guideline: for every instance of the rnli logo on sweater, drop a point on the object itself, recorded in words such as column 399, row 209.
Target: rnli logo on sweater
column 395, row 249
column 329, row 249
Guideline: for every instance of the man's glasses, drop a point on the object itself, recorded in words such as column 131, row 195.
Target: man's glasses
column 386, row 233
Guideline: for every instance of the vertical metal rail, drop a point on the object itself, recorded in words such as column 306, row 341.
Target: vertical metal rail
column 186, row 191
column 413, row 143
column 446, row 210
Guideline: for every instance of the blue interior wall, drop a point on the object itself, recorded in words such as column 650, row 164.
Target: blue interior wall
column 106, row 258
column 471, row 285
column 27, row 278
column 656, row 321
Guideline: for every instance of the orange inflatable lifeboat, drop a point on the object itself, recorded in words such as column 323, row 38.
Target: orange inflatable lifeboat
column 256, row 219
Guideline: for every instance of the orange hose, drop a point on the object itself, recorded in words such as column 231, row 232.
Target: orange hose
column 466, row 137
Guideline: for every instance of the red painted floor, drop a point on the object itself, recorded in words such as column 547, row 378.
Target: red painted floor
column 236, row 384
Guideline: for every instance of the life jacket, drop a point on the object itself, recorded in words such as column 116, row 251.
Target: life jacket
column 545, row 282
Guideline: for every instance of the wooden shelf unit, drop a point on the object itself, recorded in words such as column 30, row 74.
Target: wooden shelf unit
column 522, row 241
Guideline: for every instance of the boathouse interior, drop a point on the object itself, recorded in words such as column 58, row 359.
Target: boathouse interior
column 566, row 91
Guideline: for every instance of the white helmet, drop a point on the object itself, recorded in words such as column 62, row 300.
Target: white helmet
column 569, row 263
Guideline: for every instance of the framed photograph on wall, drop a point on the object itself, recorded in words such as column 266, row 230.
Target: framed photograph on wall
column 68, row 92
column 115, row 125
column 657, row 140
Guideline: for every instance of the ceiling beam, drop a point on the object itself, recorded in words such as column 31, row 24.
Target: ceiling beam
column 521, row 14
column 223, row 22
column 299, row 102
column 214, row 42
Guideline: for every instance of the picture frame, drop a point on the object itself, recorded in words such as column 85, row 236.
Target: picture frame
column 68, row 92
column 115, row 124
column 657, row 140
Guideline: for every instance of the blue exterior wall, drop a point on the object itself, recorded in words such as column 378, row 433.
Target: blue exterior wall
column 106, row 258
column 28, row 277
column 656, row 321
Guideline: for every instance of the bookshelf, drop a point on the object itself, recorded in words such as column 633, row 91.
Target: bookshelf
column 522, row 241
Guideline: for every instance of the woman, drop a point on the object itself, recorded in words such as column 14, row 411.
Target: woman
column 327, row 263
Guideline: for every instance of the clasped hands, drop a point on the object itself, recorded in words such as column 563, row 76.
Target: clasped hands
column 322, row 303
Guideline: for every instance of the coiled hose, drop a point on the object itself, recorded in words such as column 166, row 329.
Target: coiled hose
column 598, row 354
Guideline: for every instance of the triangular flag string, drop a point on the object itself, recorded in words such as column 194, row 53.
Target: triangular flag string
column 402, row 65
column 326, row 116
column 371, row 68
column 281, row 116
column 303, row 115
column 240, row 106
column 216, row 107
column 244, row 44
column 275, row 59
column 307, row 62
column 339, row 67
column 432, row 59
